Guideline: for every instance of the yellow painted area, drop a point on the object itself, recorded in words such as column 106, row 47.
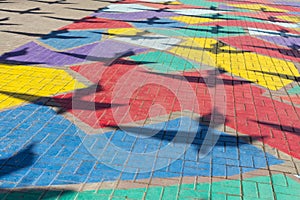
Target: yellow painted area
column 193, row 20
column 21, row 84
column 164, row 2
column 256, row 68
column 171, row 3
column 124, row 32
column 258, row 7
column 295, row 19
column 174, row 3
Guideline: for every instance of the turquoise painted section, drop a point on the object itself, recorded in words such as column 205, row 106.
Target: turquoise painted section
column 164, row 62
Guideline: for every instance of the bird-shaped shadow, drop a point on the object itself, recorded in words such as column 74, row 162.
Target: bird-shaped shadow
column 67, row 102
column 22, row 159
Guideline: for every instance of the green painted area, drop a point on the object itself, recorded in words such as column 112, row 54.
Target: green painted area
column 221, row 16
column 294, row 90
column 202, row 3
column 232, row 17
column 209, row 4
column 202, row 31
column 251, row 188
column 164, row 62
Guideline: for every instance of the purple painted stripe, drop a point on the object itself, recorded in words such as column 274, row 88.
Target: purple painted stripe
column 34, row 54
column 288, row 3
column 226, row 7
column 283, row 41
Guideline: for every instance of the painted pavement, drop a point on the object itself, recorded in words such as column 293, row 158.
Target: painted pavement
column 156, row 99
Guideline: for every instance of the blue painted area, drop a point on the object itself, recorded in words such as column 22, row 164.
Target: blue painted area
column 157, row 23
column 66, row 39
column 49, row 150
column 294, row 13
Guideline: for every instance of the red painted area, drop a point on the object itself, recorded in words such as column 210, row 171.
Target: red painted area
column 259, row 15
column 293, row 98
column 247, row 111
column 247, row 24
column 96, row 23
column 288, row 8
column 261, row 2
column 257, row 115
column 141, row 99
column 249, row 43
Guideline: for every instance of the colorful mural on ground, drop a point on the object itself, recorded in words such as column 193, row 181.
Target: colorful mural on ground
column 93, row 102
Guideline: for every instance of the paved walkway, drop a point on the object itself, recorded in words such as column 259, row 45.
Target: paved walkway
column 150, row 99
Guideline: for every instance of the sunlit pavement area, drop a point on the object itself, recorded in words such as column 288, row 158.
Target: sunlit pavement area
column 150, row 99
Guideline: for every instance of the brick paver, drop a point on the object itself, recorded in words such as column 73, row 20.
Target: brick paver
column 152, row 99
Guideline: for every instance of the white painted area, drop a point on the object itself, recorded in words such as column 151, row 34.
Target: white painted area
column 257, row 31
column 159, row 42
column 286, row 25
column 195, row 12
column 126, row 8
